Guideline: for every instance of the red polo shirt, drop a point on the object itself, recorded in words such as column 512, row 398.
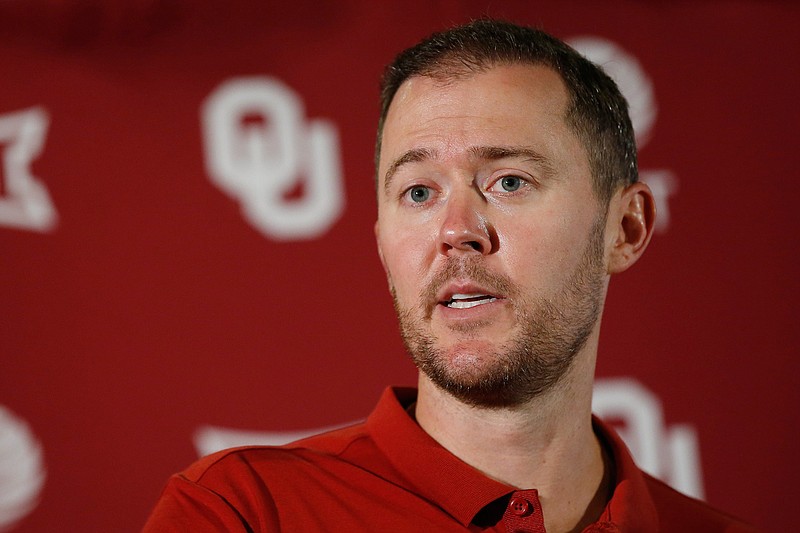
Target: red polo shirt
column 387, row 474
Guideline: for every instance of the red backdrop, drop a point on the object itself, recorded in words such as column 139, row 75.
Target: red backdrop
column 186, row 210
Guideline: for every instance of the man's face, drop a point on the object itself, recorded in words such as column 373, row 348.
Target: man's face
column 490, row 232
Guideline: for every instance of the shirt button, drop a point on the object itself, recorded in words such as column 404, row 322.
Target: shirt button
column 521, row 506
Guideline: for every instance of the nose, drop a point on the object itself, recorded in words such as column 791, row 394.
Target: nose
column 465, row 228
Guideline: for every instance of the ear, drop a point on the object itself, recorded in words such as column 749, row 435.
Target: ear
column 632, row 214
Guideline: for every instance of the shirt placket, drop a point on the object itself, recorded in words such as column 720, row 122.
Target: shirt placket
column 523, row 513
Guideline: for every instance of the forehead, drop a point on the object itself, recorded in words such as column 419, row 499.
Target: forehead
column 508, row 105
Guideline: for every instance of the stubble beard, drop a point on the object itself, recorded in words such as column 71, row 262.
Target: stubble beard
column 551, row 332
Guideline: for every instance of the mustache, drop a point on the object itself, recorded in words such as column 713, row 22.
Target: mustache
column 460, row 268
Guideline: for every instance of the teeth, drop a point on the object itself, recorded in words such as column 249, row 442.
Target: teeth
column 468, row 304
column 465, row 301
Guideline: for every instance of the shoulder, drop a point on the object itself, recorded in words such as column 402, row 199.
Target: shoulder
column 678, row 512
column 264, row 462
column 268, row 486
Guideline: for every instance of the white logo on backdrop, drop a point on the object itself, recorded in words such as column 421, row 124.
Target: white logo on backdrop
column 24, row 202
column 668, row 453
column 637, row 88
column 259, row 148
column 671, row 454
column 22, row 471
column 210, row 439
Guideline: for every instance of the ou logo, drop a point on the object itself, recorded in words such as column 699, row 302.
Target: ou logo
column 22, row 471
column 259, row 148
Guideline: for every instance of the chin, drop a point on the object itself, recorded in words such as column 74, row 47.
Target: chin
column 469, row 354
column 467, row 363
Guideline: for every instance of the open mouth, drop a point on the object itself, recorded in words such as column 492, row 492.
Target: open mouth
column 465, row 301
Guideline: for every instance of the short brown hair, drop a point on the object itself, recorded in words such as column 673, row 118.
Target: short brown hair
column 597, row 111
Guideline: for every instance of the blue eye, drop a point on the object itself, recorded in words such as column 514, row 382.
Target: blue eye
column 510, row 183
column 419, row 194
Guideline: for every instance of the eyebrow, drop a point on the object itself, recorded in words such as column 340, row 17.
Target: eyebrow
column 486, row 153
column 493, row 153
column 412, row 156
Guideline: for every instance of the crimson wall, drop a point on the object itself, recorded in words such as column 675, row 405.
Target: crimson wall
column 186, row 211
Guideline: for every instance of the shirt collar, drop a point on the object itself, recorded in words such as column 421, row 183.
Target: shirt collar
column 434, row 473
column 462, row 491
column 631, row 507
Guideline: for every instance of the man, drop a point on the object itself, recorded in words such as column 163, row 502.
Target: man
column 507, row 195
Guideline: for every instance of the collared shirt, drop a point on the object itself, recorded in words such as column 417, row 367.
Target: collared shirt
column 387, row 474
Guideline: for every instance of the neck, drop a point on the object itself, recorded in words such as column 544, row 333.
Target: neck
column 546, row 444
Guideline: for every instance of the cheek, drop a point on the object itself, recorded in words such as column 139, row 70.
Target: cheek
column 539, row 257
column 406, row 255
